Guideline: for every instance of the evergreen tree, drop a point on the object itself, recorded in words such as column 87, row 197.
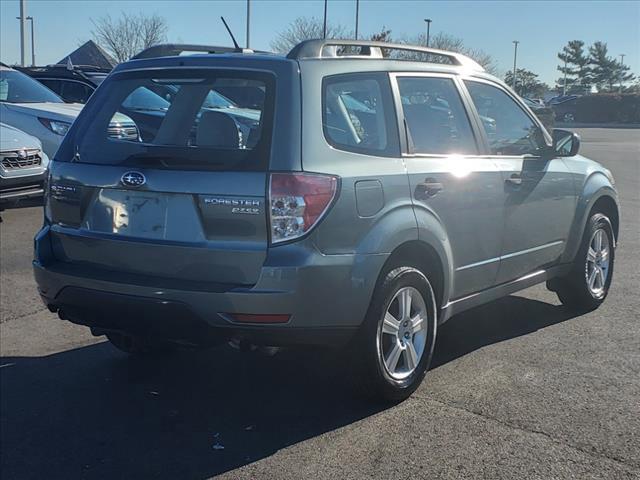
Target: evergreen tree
column 575, row 64
column 527, row 83
column 622, row 75
column 603, row 67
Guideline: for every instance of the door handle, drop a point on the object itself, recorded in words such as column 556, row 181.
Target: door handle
column 427, row 189
column 514, row 180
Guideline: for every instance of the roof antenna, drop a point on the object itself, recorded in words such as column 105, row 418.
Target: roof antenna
column 233, row 39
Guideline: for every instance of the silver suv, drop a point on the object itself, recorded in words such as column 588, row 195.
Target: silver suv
column 354, row 194
column 23, row 165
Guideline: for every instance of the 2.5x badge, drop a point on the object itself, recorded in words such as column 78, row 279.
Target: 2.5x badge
column 246, row 206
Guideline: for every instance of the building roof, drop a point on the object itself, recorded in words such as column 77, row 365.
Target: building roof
column 90, row 53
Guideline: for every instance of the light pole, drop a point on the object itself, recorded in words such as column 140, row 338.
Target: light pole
column 515, row 58
column 23, row 11
column 357, row 12
column 428, row 22
column 324, row 23
column 33, row 44
column 622, row 55
column 248, row 22
column 564, row 86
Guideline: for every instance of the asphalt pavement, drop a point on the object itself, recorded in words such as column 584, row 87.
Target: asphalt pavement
column 520, row 388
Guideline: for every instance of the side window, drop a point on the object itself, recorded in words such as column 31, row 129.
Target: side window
column 358, row 114
column 435, row 116
column 54, row 85
column 75, row 92
column 509, row 129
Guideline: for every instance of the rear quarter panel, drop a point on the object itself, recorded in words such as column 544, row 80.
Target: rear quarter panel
column 347, row 229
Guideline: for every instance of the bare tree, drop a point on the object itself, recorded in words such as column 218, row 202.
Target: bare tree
column 304, row 28
column 129, row 34
column 444, row 41
column 383, row 35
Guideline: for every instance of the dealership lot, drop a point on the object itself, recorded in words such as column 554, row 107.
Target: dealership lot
column 519, row 388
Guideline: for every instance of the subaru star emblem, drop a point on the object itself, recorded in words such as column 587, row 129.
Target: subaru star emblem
column 22, row 154
column 133, row 179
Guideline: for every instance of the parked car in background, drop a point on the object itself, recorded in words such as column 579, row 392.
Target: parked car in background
column 539, row 101
column 31, row 107
column 561, row 99
column 23, row 165
column 544, row 113
column 369, row 201
column 72, row 83
column 565, row 110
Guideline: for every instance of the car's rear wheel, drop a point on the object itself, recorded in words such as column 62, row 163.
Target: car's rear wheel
column 135, row 345
column 588, row 283
column 398, row 337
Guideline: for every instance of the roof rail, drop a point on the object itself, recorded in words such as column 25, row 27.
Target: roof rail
column 371, row 49
column 172, row 49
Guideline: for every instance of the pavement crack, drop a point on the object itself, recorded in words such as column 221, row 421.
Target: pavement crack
column 18, row 317
column 514, row 426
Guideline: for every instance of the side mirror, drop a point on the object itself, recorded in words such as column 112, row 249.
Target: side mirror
column 565, row 143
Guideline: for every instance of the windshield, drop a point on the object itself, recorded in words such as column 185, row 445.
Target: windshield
column 215, row 100
column 142, row 99
column 16, row 87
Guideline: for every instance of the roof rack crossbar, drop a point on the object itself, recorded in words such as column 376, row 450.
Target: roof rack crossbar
column 371, row 49
column 174, row 49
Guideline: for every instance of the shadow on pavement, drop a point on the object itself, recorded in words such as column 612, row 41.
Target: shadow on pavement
column 24, row 203
column 93, row 413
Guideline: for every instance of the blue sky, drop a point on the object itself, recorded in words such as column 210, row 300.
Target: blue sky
column 541, row 27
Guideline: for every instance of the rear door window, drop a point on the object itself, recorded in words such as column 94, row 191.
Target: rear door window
column 358, row 114
column 436, row 119
column 183, row 120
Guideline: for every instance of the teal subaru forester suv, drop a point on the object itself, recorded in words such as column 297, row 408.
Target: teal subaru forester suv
column 351, row 194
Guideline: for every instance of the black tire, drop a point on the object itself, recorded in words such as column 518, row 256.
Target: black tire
column 136, row 345
column 371, row 376
column 573, row 290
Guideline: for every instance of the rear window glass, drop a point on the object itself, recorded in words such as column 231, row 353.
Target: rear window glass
column 435, row 116
column 179, row 119
column 358, row 114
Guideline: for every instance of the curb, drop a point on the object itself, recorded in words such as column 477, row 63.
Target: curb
column 597, row 125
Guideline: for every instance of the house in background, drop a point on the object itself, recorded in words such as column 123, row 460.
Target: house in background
column 90, row 53
column 75, row 77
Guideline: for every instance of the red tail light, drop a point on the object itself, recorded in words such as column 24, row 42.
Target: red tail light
column 298, row 201
column 262, row 318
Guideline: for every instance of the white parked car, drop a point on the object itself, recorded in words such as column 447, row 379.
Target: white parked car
column 30, row 106
column 23, row 165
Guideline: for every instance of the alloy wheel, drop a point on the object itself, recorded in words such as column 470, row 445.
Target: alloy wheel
column 402, row 335
column 597, row 265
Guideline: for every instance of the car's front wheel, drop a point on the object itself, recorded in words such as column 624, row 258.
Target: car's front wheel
column 398, row 336
column 588, row 283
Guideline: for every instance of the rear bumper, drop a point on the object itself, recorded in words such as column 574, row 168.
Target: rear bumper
column 325, row 296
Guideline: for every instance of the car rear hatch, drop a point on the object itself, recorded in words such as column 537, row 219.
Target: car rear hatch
column 186, row 201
